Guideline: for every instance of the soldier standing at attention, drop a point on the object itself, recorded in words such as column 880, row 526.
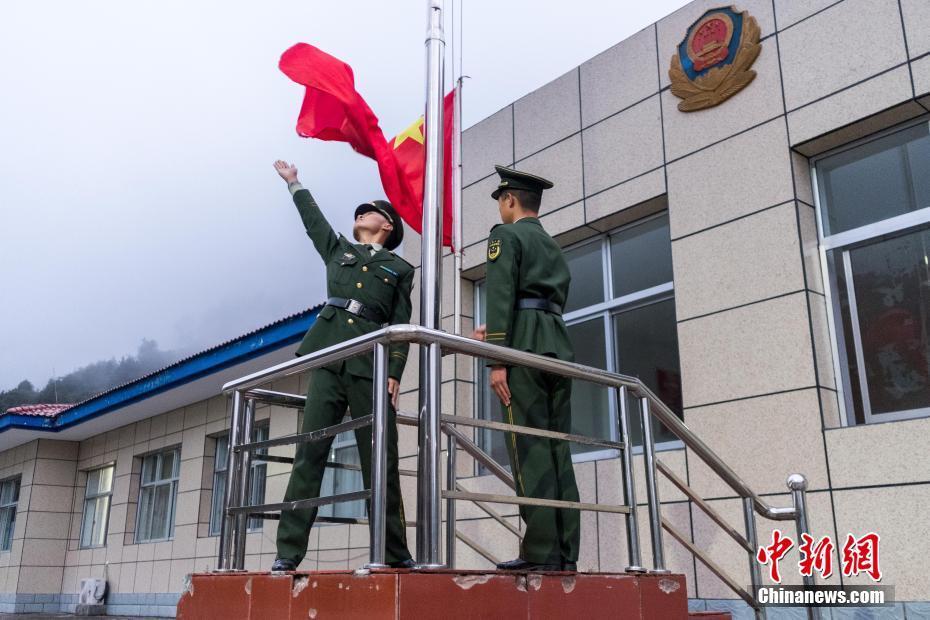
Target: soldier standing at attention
column 369, row 286
column 527, row 285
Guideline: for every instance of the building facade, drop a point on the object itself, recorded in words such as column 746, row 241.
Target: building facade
column 760, row 264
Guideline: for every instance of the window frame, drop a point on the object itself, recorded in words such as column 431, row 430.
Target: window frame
column 606, row 311
column 841, row 244
column 97, row 496
column 253, row 525
column 13, row 507
column 172, row 482
column 218, row 489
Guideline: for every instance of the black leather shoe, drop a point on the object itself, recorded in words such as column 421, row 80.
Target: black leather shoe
column 408, row 563
column 524, row 565
column 571, row 567
column 283, row 565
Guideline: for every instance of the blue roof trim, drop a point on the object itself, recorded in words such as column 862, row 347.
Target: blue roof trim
column 280, row 334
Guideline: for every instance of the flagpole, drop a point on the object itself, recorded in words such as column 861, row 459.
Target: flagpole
column 428, row 465
column 457, row 174
column 457, row 206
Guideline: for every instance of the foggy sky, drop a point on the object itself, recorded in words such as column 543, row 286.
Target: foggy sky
column 137, row 197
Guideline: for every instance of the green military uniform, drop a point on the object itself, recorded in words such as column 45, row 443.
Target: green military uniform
column 525, row 263
column 382, row 282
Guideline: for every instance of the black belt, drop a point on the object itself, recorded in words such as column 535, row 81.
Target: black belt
column 537, row 303
column 353, row 306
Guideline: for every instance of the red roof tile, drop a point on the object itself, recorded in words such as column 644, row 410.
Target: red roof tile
column 46, row 410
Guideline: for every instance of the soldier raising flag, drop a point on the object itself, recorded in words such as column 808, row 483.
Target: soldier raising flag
column 369, row 286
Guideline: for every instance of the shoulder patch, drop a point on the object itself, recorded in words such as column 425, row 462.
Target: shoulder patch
column 494, row 249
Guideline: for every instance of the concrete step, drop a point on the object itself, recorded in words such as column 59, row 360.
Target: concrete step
column 445, row 594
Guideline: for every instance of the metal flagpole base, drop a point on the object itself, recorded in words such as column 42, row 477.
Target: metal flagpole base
column 428, row 566
column 635, row 569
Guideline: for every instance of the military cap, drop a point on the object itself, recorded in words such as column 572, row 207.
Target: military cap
column 514, row 179
column 384, row 208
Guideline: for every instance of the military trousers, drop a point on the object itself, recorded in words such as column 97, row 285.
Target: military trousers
column 332, row 389
column 542, row 467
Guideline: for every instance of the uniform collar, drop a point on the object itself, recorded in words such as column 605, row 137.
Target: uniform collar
column 379, row 255
column 529, row 219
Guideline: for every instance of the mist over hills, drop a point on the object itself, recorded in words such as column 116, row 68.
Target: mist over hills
column 91, row 379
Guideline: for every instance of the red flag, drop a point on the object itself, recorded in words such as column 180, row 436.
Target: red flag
column 333, row 110
column 409, row 148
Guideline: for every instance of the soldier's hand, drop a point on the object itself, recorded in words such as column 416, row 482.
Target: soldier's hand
column 287, row 171
column 499, row 384
column 394, row 391
column 480, row 333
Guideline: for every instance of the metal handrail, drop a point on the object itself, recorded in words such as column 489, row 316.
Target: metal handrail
column 247, row 390
column 450, row 343
column 233, row 554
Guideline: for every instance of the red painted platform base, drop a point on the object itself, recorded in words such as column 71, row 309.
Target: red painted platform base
column 441, row 594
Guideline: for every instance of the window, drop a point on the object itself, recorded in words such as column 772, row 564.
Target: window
column 874, row 220
column 9, row 497
column 256, row 485
column 220, row 464
column 257, row 478
column 97, row 507
column 157, row 495
column 620, row 316
column 337, row 481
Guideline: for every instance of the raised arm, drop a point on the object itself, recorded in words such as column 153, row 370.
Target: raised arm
column 318, row 229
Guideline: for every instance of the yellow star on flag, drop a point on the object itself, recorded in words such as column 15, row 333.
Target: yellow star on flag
column 414, row 132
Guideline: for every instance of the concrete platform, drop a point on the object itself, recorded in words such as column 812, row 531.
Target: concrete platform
column 445, row 594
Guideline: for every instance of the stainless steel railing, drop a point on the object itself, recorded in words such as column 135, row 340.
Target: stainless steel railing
column 248, row 390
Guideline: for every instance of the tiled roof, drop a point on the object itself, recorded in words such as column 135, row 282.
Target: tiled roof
column 45, row 410
column 52, row 417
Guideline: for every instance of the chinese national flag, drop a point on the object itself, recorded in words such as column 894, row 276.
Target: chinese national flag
column 333, row 110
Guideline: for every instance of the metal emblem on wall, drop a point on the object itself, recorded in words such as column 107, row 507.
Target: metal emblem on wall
column 714, row 59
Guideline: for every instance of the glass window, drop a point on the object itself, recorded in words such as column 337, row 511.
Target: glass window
column 586, row 264
column 883, row 178
column 590, row 401
column 887, row 303
column 97, row 498
column 878, row 272
column 647, row 348
column 640, row 257
column 157, row 495
column 257, row 478
column 256, row 482
column 337, row 481
column 220, row 464
column 9, row 498
column 634, row 332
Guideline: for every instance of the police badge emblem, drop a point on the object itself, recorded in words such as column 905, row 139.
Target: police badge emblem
column 713, row 60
